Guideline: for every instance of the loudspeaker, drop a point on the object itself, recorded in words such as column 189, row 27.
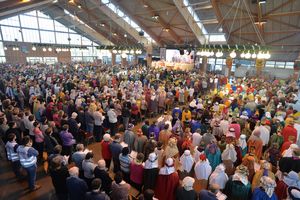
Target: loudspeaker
column 181, row 51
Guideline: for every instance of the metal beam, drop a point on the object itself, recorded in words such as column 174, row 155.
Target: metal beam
column 120, row 21
column 283, row 14
column 284, row 23
column 283, row 38
column 270, row 32
column 278, row 7
column 55, row 11
column 200, row 35
column 24, row 8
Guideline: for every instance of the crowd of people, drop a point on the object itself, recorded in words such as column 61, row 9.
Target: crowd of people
column 168, row 134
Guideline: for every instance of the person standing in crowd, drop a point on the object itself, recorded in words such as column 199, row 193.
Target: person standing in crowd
column 74, row 126
column 100, row 172
column 96, row 193
column 88, row 167
column 28, row 158
column 129, row 137
column 12, row 156
column 98, row 128
column 78, row 157
column 67, row 140
column 137, row 171
column 186, row 191
column 113, row 120
column 105, row 150
column 120, row 189
column 59, row 174
column 150, row 171
column 125, row 160
column 116, row 149
column 77, row 187
column 39, row 139
column 167, row 181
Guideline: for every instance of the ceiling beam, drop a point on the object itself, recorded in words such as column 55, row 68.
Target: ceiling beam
column 95, row 35
column 19, row 7
column 271, row 32
column 284, row 23
column 283, row 38
column 235, row 8
column 141, row 24
column 283, row 14
column 199, row 33
column 163, row 23
column 278, row 7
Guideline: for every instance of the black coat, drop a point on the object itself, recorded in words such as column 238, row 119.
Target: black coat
column 59, row 178
column 105, row 178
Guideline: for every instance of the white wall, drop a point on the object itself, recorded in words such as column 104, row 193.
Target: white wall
column 272, row 72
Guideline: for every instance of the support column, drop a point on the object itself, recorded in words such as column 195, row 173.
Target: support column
column 113, row 58
column 149, row 51
column 204, row 64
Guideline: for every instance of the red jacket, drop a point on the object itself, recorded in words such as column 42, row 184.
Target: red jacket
column 106, row 154
column 287, row 131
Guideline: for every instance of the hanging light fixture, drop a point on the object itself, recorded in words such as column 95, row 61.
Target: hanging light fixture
column 268, row 55
column 219, row 54
column 5, row 48
column 260, row 55
column 49, row 49
column 114, row 51
column 119, row 51
column 232, row 54
column 243, row 55
column 124, row 55
column 44, row 49
column 58, row 49
column 33, row 48
column 253, row 55
column 248, row 55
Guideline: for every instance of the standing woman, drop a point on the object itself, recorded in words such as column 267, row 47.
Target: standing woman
column 67, row 140
column 39, row 139
column 136, row 178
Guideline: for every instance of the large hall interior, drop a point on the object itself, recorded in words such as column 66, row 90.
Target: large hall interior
column 149, row 99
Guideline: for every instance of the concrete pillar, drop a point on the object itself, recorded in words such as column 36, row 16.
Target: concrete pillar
column 113, row 58
column 204, row 64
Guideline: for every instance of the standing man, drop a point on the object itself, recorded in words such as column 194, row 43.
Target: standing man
column 12, row 156
column 113, row 120
column 28, row 157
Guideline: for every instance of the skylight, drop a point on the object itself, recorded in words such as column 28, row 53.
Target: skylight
column 209, row 37
column 126, row 18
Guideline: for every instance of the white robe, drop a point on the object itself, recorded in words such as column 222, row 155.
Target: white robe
column 202, row 170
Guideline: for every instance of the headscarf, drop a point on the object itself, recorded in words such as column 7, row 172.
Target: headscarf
column 171, row 149
column 152, row 161
column 168, row 168
column 268, row 185
column 290, row 150
column 241, row 174
column 187, row 161
column 202, row 168
column 242, row 141
column 229, row 153
column 219, row 176
column 292, row 179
